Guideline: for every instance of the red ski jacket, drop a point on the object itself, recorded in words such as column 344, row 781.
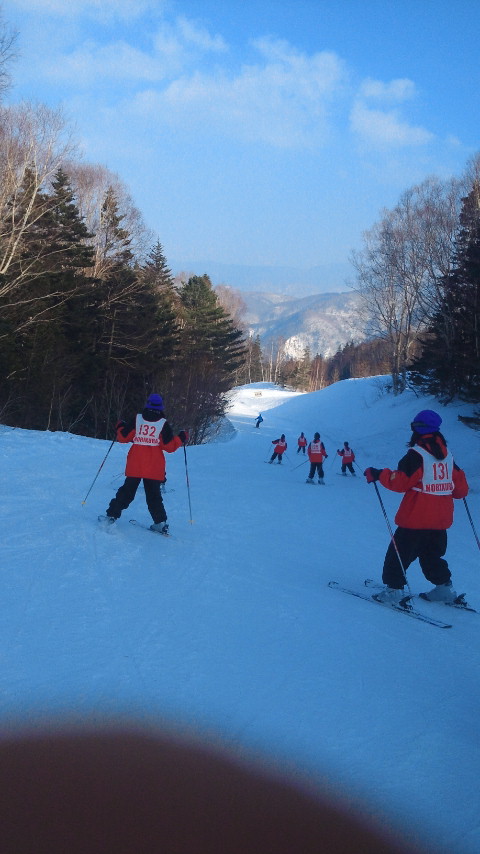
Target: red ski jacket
column 280, row 447
column 302, row 441
column 316, row 452
column 348, row 456
column 151, row 438
column 419, row 509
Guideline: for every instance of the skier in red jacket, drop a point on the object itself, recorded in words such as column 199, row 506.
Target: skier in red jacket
column 348, row 458
column 302, row 443
column 316, row 454
column 151, row 435
column 279, row 449
column 430, row 479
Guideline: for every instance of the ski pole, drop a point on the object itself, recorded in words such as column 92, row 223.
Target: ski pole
column 98, row 472
column 300, row 464
column 188, row 484
column 471, row 522
column 392, row 538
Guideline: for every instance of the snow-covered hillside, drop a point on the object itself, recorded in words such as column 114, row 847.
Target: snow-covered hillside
column 321, row 322
column 229, row 627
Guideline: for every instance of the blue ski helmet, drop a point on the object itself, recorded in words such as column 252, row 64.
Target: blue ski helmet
column 427, row 421
column 155, row 402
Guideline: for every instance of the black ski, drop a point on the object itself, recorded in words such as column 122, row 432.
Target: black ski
column 404, row 606
column 148, row 528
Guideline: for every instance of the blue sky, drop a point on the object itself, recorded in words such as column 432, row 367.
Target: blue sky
column 259, row 133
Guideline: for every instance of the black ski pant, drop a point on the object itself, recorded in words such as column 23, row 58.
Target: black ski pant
column 426, row 545
column 316, row 467
column 127, row 492
column 349, row 466
column 301, row 448
column 274, row 456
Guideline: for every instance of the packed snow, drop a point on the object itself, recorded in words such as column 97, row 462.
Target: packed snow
column 228, row 628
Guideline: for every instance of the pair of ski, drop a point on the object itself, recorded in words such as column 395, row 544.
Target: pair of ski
column 404, row 606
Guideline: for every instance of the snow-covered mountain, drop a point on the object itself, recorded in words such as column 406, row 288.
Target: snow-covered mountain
column 323, row 322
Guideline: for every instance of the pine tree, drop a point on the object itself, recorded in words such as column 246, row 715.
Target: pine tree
column 449, row 364
column 212, row 351
column 159, row 321
column 44, row 308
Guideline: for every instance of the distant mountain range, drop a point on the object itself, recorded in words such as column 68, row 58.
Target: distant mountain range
column 322, row 322
column 324, row 278
column 301, row 307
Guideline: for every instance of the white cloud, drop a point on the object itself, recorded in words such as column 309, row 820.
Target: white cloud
column 385, row 128
column 100, row 9
column 395, row 91
column 283, row 102
column 119, row 62
column 193, row 34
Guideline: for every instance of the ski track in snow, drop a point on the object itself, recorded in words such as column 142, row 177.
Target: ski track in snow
column 229, row 627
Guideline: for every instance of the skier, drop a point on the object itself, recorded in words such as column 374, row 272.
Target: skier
column 316, row 454
column 302, row 443
column 430, row 479
column 280, row 448
column 150, row 435
column 258, row 420
column 347, row 459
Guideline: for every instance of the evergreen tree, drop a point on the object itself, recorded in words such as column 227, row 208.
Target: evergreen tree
column 159, row 320
column 212, row 351
column 43, row 309
column 449, row 364
column 156, row 270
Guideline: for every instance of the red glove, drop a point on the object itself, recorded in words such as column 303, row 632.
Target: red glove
column 119, row 424
column 183, row 435
column 372, row 474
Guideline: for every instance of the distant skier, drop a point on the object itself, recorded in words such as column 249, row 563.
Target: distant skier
column 348, row 457
column 258, row 420
column 316, row 454
column 280, row 448
column 150, row 435
column 302, row 443
column 430, row 479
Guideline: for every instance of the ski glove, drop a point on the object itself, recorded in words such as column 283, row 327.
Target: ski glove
column 372, row 474
column 119, row 424
column 183, row 435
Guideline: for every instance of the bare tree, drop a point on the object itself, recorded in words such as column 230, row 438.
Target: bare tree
column 8, row 41
column 232, row 303
column 33, row 143
column 401, row 267
column 92, row 183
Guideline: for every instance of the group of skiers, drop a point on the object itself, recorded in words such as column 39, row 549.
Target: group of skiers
column 430, row 479
column 316, row 454
column 427, row 475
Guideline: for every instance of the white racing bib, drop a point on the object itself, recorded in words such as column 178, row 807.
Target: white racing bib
column 147, row 432
column 437, row 474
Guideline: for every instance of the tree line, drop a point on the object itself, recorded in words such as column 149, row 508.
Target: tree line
column 418, row 276
column 92, row 320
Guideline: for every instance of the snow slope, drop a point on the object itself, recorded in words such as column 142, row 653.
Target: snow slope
column 229, row 627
